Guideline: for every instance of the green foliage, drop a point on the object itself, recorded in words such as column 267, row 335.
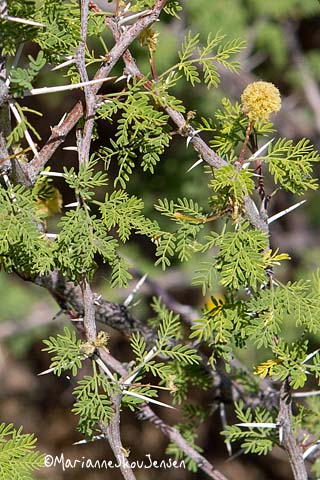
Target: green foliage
column 62, row 32
column 291, row 165
column 169, row 332
column 66, row 350
column 172, row 7
column 22, row 246
column 214, row 52
column 86, row 180
column 18, row 457
column 222, row 323
column 22, row 78
column 258, row 440
column 271, row 308
column 93, row 403
column 12, row 34
column 125, row 212
column 240, row 258
column 18, row 132
column 232, row 183
column 189, row 221
column 255, row 309
column 142, row 133
column 228, row 129
column 187, row 431
column 81, row 238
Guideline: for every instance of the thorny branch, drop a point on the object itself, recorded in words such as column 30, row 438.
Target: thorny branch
column 260, row 222
column 112, row 432
column 146, row 413
column 288, row 440
column 60, row 132
column 69, row 297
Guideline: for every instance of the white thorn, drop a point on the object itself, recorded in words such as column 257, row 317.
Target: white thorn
column 104, row 367
column 64, row 64
column 305, row 394
column 73, row 204
column 64, row 88
column 224, row 422
column 130, row 297
column 281, row 434
column 45, row 372
column 25, row 21
column 62, row 119
column 312, row 354
column 147, row 399
column 258, row 425
column 120, row 78
column 15, row 61
column 83, row 442
column 311, row 449
column 133, row 17
column 71, row 149
column 26, row 133
column 284, row 212
column 51, row 174
column 52, row 236
column 261, row 149
column 194, row 165
column 148, row 357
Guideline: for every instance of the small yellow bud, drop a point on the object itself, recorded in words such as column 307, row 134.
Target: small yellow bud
column 259, row 100
column 149, row 38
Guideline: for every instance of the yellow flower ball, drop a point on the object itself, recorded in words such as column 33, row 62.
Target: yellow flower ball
column 259, row 100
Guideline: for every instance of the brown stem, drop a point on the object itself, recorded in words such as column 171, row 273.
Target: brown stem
column 146, row 413
column 288, row 441
column 112, row 432
column 245, row 143
column 60, row 132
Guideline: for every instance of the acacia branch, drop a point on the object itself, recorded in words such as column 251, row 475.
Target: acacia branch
column 84, row 154
column 259, row 220
column 112, row 432
column 90, row 97
column 4, row 106
column 60, row 132
column 205, row 152
column 288, row 441
column 147, row 414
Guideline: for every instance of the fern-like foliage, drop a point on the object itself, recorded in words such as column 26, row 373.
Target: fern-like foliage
column 189, row 221
column 22, row 246
column 81, row 237
column 240, row 258
column 142, row 134
column 66, row 350
column 207, row 57
column 18, row 132
column 22, row 78
column 292, row 165
column 18, row 457
column 125, row 213
column 93, row 405
column 258, row 440
column 228, row 127
column 270, row 309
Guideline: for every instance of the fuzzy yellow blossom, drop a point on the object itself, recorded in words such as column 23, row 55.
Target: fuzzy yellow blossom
column 259, row 100
column 149, row 38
